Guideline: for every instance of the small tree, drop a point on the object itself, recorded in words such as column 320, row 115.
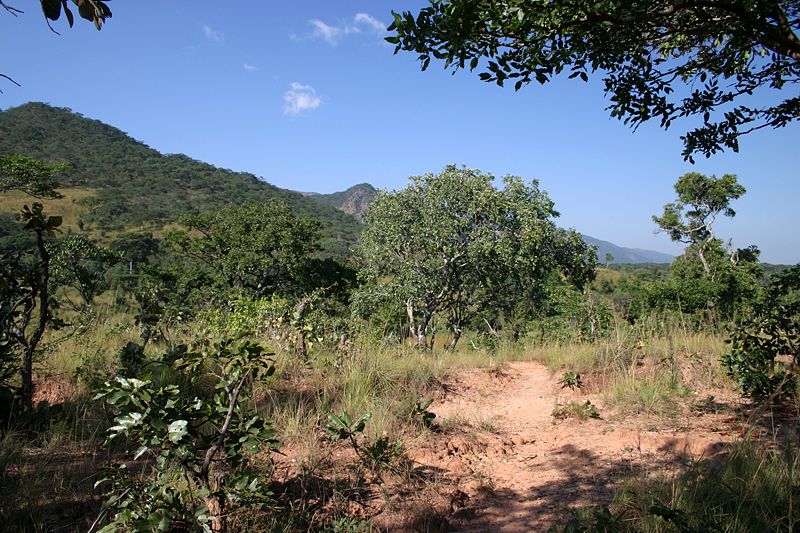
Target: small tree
column 453, row 244
column 80, row 263
column 207, row 439
column 691, row 218
column 25, row 299
column 765, row 348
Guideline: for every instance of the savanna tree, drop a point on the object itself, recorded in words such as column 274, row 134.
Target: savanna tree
column 82, row 264
column 659, row 59
column 453, row 244
column 764, row 354
column 690, row 219
column 263, row 249
column 709, row 275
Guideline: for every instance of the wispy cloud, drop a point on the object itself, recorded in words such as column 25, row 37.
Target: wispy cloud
column 300, row 98
column 250, row 68
column 370, row 22
column 332, row 34
column 213, row 35
column 326, row 32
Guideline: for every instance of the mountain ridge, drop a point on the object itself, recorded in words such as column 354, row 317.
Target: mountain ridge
column 137, row 186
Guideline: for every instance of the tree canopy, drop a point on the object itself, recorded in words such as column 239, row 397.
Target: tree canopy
column 261, row 248
column 721, row 52
column 453, row 244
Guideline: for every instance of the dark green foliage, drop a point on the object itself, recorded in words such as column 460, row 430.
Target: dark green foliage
column 13, row 237
column 25, row 300
column 730, row 288
column 565, row 314
column 95, row 11
column 414, row 409
column 261, row 248
column 571, row 380
column 139, row 187
column 765, row 348
column 643, row 50
column 34, row 178
column 341, row 427
column 380, row 454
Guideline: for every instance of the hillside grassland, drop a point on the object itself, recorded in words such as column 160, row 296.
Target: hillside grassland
column 187, row 348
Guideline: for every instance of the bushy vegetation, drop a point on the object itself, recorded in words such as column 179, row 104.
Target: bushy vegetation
column 188, row 360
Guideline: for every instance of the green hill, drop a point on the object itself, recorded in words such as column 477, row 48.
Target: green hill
column 138, row 187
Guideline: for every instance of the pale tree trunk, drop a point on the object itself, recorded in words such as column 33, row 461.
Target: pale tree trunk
column 418, row 329
column 300, row 341
column 456, row 336
column 702, row 253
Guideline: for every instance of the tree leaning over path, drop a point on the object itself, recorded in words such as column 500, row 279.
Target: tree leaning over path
column 661, row 59
column 452, row 244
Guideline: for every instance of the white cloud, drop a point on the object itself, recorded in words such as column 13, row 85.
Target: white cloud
column 332, row 34
column 326, row 32
column 300, row 98
column 371, row 22
column 250, row 68
column 213, row 35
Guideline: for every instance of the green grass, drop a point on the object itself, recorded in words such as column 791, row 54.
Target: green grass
column 752, row 488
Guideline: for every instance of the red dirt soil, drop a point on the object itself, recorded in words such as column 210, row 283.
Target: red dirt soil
column 509, row 466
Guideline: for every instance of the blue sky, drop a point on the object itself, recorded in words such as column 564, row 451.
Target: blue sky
column 309, row 97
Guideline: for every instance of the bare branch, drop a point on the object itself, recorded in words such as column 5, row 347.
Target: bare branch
column 11, row 9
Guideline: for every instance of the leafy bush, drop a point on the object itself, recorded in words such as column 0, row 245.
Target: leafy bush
column 572, row 315
column 765, row 349
column 199, row 433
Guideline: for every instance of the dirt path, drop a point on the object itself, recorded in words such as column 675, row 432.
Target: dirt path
column 514, row 468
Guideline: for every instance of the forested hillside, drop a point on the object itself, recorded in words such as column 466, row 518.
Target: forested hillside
column 138, row 187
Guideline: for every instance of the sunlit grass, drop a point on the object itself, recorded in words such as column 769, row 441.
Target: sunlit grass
column 68, row 207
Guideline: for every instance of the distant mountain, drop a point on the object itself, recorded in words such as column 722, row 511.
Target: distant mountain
column 354, row 201
column 626, row 255
column 135, row 186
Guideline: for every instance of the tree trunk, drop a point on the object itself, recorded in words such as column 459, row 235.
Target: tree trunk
column 215, row 511
column 43, row 279
column 300, row 342
column 702, row 253
column 418, row 329
column 455, row 339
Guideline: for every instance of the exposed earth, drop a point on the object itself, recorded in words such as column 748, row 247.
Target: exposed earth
column 501, row 462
